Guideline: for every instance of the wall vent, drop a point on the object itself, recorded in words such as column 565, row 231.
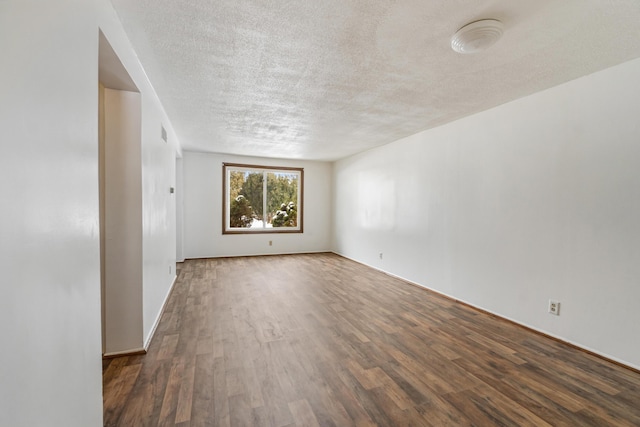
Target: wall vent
column 164, row 133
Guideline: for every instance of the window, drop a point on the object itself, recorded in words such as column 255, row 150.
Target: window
column 261, row 199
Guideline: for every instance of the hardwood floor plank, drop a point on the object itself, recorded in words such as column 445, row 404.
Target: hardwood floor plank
column 318, row 340
column 118, row 389
column 202, row 408
column 392, row 390
column 438, row 412
column 303, row 414
column 240, row 413
column 221, row 416
column 168, row 347
column 169, row 402
column 543, row 402
column 185, row 396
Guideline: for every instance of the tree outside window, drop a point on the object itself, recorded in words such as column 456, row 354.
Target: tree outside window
column 262, row 199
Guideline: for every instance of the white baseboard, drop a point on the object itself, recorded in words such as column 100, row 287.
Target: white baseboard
column 259, row 254
column 131, row 352
column 159, row 316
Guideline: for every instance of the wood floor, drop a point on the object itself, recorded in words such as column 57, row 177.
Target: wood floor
column 308, row 340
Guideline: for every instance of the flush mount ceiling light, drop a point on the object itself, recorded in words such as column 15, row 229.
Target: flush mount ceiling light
column 477, row 36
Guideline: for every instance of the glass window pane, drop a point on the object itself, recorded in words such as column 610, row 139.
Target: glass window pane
column 245, row 196
column 282, row 199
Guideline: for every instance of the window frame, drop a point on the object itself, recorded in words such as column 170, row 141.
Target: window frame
column 226, row 202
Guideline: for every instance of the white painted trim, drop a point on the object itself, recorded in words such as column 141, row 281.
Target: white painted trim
column 124, row 352
column 159, row 316
column 542, row 331
column 264, row 254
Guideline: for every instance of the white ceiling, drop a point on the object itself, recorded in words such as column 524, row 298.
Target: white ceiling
column 323, row 79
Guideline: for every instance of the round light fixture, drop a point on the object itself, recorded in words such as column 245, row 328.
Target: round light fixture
column 477, row 36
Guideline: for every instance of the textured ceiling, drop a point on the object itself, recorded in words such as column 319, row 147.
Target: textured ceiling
column 323, row 79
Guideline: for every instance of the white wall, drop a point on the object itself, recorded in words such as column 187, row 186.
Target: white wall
column 50, row 364
column 50, row 368
column 123, row 222
column 203, row 210
column 158, row 175
column 158, row 214
column 532, row 200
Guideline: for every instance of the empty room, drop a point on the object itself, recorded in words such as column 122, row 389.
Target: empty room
column 320, row 213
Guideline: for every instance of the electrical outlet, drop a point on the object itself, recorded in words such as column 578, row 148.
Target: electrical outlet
column 169, row 269
column 554, row 307
column 270, row 242
column 380, row 255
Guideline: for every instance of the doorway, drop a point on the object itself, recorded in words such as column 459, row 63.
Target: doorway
column 120, row 183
